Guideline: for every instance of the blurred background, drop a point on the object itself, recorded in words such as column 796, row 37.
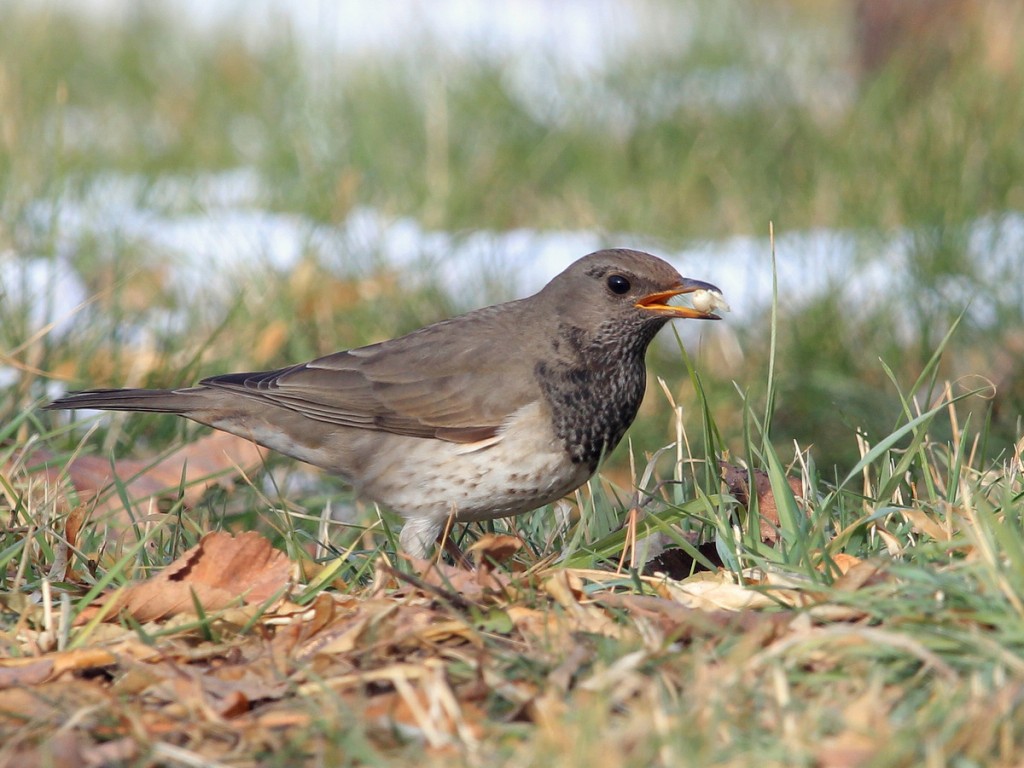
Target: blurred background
column 194, row 187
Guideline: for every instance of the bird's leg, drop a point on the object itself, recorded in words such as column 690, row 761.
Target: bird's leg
column 419, row 534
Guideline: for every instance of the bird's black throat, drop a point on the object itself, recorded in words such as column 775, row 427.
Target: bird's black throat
column 595, row 396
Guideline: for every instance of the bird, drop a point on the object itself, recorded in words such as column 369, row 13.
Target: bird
column 489, row 414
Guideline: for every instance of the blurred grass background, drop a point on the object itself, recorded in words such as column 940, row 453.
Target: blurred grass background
column 880, row 119
column 888, row 122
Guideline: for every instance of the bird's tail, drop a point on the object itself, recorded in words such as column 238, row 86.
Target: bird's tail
column 150, row 400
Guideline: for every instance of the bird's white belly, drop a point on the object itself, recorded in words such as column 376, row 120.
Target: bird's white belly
column 520, row 469
column 428, row 480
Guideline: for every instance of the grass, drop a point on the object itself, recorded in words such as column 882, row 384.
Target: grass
column 908, row 444
column 919, row 662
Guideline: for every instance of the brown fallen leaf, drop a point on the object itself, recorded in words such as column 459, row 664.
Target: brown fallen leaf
column 938, row 529
column 20, row 671
column 211, row 693
column 33, row 672
column 54, row 702
column 857, row 573
column 218, row 572
column 212, row 460
column 719, row 591
column 566, row 588
column 737, row 480
column 60, row 568
column 844, row 562
column 683, row 623
column 73, row 525
column 493, row 549
column 452, row 583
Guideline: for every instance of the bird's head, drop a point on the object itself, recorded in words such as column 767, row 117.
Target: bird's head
column 623, row 288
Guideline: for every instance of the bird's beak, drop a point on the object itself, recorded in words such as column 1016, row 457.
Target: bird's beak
column 658, row 302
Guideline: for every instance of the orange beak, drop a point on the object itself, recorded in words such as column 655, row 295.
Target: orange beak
column 658, row 302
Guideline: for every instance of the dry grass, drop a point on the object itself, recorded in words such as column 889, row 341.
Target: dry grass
column 873, row 617
column 897, row 641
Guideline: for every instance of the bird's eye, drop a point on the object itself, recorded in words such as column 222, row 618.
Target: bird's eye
column 618, row 284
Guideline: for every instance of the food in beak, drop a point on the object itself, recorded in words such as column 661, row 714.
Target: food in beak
column 706, row 298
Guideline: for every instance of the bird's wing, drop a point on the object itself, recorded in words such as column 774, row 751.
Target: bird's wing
column 439, row 381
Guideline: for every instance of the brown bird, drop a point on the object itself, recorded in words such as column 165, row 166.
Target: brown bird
column 490, row 414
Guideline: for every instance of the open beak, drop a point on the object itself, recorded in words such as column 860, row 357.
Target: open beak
column 658, row 302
